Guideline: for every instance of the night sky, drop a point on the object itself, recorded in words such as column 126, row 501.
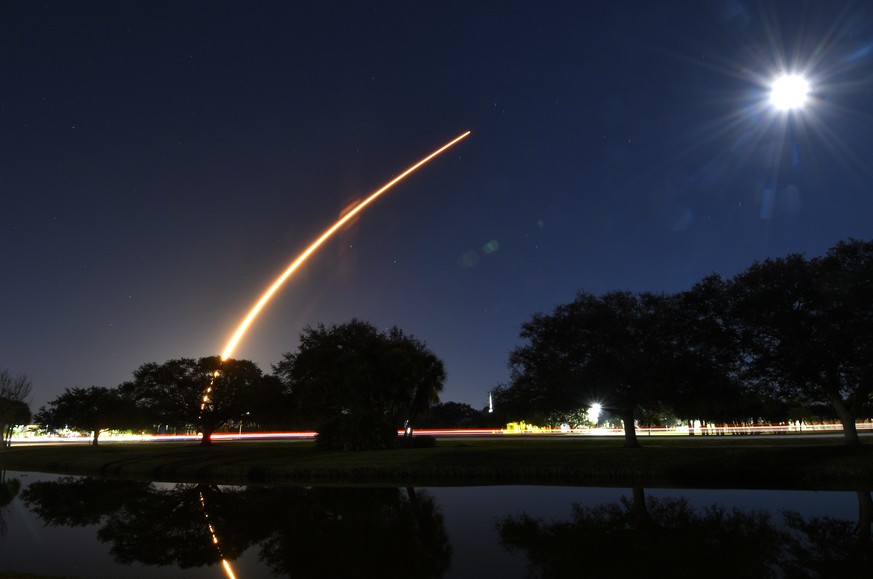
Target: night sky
column 162, row 162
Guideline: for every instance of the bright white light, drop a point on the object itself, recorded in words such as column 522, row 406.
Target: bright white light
column 789, row 91
column 594, row 413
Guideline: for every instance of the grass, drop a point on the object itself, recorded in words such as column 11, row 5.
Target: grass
column 720, row 462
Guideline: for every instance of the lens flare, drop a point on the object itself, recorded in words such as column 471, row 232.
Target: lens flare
column 259, row 305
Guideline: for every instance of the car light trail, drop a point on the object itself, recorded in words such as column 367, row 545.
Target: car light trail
column 259, row 305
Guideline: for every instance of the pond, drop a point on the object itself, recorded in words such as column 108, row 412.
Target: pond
column 87, row 527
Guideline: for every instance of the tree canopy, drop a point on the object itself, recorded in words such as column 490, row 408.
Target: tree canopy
column 807, row 327
column 359, row 385
column 92, row 409
column 207, row 392
column 790, row 330
column 621, row 350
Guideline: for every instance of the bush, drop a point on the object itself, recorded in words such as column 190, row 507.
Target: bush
column 355, row 433
column 424, row 441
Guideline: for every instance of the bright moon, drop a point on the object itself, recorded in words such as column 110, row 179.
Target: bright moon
column 789, row 91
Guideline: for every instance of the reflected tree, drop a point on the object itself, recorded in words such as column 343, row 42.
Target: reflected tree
column 830, row 547
column 78, row 501
column 149, row 524
column 384, row 533
column 381, row 532
column 8, row 491
column 169, row 527
column 635, row 536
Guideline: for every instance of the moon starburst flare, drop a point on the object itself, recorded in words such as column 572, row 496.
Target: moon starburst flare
column 268, row 294
column 789, row 91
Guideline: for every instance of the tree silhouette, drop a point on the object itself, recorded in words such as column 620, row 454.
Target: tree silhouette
column 149, row 524
column 359, row 385
column 12, row 413
column 634, row 537
column 8, row 491
column 808, row 328
column 620, row 349
column 299, row 531
column 14, row 406
column 384, row 533
column 830, row 547
column 93, row 409
column 175, row 392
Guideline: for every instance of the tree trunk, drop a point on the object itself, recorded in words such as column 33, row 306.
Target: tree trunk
column 639, row 512
column 630, row 432
column 96, row 436
column 865, row 519
column 847, row 419
column 206, row 439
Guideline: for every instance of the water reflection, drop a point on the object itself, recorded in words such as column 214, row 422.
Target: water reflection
column 401, row 532
column 301, row 532
column 636, row 536
column 8, row 491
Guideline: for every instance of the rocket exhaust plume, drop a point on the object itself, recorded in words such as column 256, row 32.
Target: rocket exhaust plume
column 259, row 305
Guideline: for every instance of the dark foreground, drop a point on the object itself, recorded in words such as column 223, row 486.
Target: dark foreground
column 715, row 462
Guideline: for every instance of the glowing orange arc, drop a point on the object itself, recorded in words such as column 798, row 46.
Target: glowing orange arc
column 259, row 305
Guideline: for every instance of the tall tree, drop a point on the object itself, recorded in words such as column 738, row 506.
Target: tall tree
column 708, row 384
column 618, row 349
column 93, row 409
column 12, row 413
column 15, row 393
column 15, row 387
column 205, row 393
column 359, row 385
column 808, row 328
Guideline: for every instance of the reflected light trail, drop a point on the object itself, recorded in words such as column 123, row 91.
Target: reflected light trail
column 259, row 305
column 228, row 569
column 224, row 562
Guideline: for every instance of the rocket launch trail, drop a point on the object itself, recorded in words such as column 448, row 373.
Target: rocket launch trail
column 268, row 294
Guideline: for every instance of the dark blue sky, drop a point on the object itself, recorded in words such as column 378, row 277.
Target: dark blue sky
column 162, row 162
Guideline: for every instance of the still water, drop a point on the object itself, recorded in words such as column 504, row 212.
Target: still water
column 83, row 527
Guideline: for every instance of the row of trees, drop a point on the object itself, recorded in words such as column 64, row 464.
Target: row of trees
column 352, row 383
column 787, row 331
column 794, row 330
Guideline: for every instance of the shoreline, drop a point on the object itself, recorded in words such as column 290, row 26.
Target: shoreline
column 753, row 463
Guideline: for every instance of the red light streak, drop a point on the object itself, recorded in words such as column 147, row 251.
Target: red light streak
column 262, row 301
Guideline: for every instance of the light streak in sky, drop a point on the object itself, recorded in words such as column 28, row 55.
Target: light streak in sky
column 259, row 305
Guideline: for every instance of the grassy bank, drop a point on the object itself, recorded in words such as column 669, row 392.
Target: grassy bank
column 722, row 462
